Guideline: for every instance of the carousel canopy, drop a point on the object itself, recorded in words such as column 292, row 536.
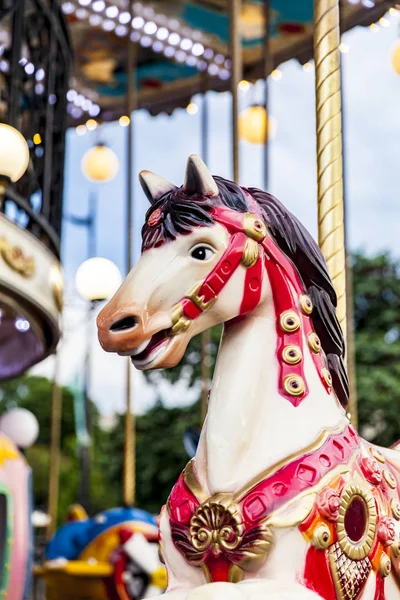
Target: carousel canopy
column 183, row 47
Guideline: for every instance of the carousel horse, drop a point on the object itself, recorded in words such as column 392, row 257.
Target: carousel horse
column 111, row 556
column 283, row 499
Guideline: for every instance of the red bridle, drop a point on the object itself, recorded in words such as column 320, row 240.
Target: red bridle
column 251, row 246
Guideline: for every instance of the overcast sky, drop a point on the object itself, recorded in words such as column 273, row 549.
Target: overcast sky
column 372, row 149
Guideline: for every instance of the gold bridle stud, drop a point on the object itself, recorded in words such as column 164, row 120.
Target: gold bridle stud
column 306, row 304
column 289, row 321
column 294, row 385
column 314, row 342
column 327, row 376
column 292, row 355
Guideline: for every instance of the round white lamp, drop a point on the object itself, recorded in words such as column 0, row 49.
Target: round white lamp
column 97, row 279
column 14, row 155
column 20, row 426
column 100, row 164
column 255, row 125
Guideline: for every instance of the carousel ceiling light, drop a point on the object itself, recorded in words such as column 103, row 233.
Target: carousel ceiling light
column 146, row 41
column 137, row 22
column 124, row 121
column 198, row 49
column 393, row 12
column 244, row 85
column 29, row 68
column 368, row 3
column 80, row 130
column 100, row 164
column 169, row 51
column 97, row 279
column 91, row 124
column 71, row 95
column 4, row 66
column 94, row 110
column 95, row 20
column 124, row 18
column 384, row 22
column 174, row 39
column 180, row 56
column 86, row 104
column 14, row 155
column 112, row 12
column 307, row 67
column 213, row 69
column 162, row 33
column 202, row 65
column 276, row 74
column 150, row 27
column 186, row 44
column 39, row 88
column 374, row 28
column 219, row 59
column 108, row 25
column 98, row 5
column 135, row 36
column 81, row 13
column 67, row 8
column 192, row 108
column 21, row 426
column 396, row 57
column 85, row 2
column 40, row 74
column 255, row 125
column 52, row 99
column 191, row 61
column 21, row 324
column 157, row 46
column 344, row 48
column 224, row 74
column 208, row 53
column 121, row 30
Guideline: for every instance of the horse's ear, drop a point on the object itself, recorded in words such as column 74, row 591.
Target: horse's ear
column 154, row 186
column 198, row 179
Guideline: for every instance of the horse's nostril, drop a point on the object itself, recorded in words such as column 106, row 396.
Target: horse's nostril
column 125, row 323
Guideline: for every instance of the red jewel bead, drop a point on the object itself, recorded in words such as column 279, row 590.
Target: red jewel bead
column 355, row 519
column 371, row 470
column 154, row 218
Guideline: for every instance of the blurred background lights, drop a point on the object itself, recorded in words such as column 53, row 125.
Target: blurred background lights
column 22, row 324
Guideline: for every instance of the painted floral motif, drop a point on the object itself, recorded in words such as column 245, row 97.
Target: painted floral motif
column 386, row 531
column 371, row 470
column 328, row 504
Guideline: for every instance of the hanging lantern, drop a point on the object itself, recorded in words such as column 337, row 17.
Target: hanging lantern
column 20, row 426
column 100, row 164
column 254, row 125
column 14, row 153
column 396, row 57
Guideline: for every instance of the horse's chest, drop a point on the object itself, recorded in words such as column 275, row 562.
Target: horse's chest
column 351, row 530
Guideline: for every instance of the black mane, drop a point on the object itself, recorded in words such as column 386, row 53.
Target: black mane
column 180, row 214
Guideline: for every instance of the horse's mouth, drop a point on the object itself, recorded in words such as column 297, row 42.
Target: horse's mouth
column 151, row 350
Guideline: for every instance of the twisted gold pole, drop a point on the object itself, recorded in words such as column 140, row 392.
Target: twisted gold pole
column 329, row 147
column 54, row 470
column 331, row 233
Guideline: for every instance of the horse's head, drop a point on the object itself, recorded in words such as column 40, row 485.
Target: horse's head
column 191, row 273
column 213, row 251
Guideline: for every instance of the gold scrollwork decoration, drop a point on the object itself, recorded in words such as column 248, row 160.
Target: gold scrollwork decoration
column 395, row 508
column 306, row 304
column 289, row 321
column 15, row 258
column 389, row 478
column 385, row 565
column 217, row 525
column 321, row 537
column 377, row 454
column 180, row 323
column 357, row 549
column 250, row 253
column 193, row 295
column 327, row 376
column 292, row 354
column 254, row 228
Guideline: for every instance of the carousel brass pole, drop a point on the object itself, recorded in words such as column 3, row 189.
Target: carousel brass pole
column 129, row 482
column 236, row 76
column 54, row 471
column 329, row 147
column 205, row 336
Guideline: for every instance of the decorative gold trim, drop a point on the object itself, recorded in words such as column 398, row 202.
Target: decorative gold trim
column 193, row 295
column 14, row 257
column 250, row 253
column 385, row 565
column 235, row 574
column 254, row 227
column 321, row 537
column 360, row 549
column 321, row 439
column 190, row 479
column 294, row 385
column 314, row 343
column 289, row 321
column 180, row 323
column 292, row 354
column 306, row 304
column 395, row 508
column 377, row 454
column 217, row 524
column 389, row 478
column 327, row 376
column 395, row 548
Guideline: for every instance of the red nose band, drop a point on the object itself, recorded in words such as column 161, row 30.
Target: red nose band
column 252, row 247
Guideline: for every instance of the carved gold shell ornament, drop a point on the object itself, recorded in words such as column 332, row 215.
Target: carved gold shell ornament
column 357, row 521
column 15, row 258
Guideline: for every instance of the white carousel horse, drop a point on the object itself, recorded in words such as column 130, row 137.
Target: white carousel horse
column 283, row 498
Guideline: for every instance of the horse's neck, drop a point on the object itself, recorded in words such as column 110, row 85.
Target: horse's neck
column 249, row 426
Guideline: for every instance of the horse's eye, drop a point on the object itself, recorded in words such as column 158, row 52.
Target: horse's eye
column 202, row 253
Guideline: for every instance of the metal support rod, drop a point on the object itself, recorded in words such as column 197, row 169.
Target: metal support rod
column 329, row 147
column 129, row 482
column 92, row 218
column 205, row 336
column 350, row 347
column 236, row 76
column 267, row 70
column 54, row 470
column 15, row 68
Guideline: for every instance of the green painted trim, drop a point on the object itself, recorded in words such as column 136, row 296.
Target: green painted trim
column 5, row 574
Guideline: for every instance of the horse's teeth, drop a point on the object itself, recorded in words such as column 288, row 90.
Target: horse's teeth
column 140, row 348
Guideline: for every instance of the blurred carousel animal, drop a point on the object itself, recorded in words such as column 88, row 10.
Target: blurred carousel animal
column 283, row 499
column 112, row 556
